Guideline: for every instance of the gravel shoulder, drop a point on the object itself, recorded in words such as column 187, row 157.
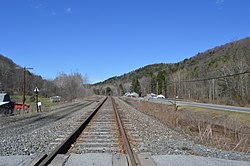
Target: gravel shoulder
column 158, row 139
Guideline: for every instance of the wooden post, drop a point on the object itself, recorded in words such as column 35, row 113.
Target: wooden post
column 213, row 89
column 36, row 102
column 175, row 108
column 24, row 86
column 36, row 91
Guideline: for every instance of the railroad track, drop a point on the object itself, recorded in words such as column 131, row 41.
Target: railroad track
column 101, row 132
column 101, row 135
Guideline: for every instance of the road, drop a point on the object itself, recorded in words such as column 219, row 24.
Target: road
column 204, row 105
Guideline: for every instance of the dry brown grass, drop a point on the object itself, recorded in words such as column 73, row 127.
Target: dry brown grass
column 221, row 129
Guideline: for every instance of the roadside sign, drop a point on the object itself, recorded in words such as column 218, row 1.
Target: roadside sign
column 36, row 90
column 39, row 103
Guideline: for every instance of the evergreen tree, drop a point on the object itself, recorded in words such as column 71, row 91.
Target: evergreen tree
column 161, row 82
column 153, row 85
column 136, row 87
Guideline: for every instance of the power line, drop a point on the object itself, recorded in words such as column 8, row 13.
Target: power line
column 211, row 78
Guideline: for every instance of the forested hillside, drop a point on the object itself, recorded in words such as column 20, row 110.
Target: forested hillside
column 220, row 75
column 69, row 86
column 12, row 78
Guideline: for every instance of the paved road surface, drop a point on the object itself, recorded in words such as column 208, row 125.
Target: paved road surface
column 203, row 105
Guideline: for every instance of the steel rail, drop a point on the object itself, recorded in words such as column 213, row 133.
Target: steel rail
column 131, row 156
column 66, row 144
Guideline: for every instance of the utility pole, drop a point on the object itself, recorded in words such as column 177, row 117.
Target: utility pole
column 213, row 89
column 24, row 83
column 157, row 86
column 175, row 108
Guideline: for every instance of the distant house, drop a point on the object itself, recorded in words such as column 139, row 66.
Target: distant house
column 133, row 94
column 55, row 98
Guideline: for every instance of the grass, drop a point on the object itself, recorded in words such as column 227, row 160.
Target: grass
column 243, row 118
column 46, row 103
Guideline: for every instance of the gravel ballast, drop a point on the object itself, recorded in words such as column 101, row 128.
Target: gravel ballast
column 43, row 132
column 158, row 139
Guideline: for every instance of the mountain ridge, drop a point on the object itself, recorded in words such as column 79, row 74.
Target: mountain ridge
column 197, row 56
column 226, row 59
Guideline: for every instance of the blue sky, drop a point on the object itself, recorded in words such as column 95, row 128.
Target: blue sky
column 105, row 38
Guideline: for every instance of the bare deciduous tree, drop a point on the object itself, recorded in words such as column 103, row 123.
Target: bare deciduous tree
column 71, row 85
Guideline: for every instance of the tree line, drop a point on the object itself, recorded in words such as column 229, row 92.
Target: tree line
column 219, row 75
column 69, row 86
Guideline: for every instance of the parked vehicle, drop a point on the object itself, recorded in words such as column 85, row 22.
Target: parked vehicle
column 160, row 97
column 6, row 105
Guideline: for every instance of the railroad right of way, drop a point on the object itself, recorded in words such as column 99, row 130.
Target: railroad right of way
column 101, row 142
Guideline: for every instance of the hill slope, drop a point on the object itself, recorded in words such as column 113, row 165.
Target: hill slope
column 11, row 79
column 68, row 86
column 229, row 59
